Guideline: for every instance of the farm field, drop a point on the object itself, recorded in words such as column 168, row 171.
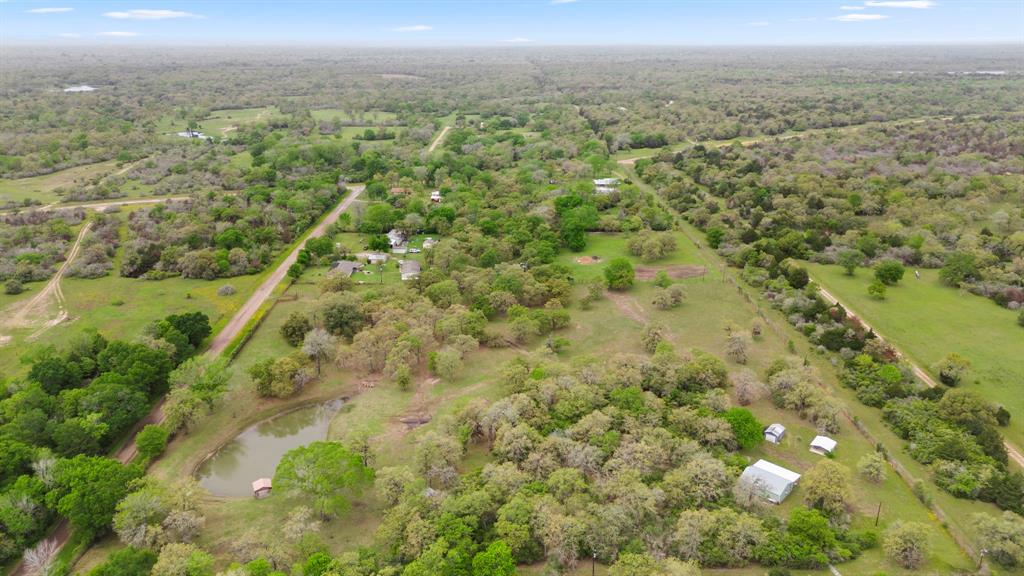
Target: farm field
column 358, row 117
column 42, row 188
column 220, row 122
column 928, row 320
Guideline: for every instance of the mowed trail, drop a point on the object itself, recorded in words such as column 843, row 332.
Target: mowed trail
column 36, row 307
column 1012, row 451
column 440, row 138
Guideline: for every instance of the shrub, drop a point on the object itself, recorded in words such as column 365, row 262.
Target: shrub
column 889, row 272
column 872, row 466
column 13, row 286
column 877, row 290
column 295, row 327
column 152, row 440
column 226, row 290
column 906, row 543
column 619, row 274
column 126, row 562
column 746, row 428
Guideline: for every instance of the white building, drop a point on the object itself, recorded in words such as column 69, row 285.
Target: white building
column 396, row 238
column 435, row 196
column 771, row 481
column 823, row 445
column 606, row 185
column 774, row 433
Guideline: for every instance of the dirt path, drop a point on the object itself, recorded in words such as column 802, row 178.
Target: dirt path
column 238, row 321
column 103, row 205
column 36, row 307
column 628, row 305
column 1012, row 451
column 440, row 137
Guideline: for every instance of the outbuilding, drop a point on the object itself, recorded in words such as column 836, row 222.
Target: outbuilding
column 771, row 481
column 774, row 433
column 823, row 445
column 410, row 269
column 346, row 268
column 261, row 488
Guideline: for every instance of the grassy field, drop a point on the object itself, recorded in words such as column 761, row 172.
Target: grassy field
column 367, row 118
column 375, row 406
column 220, row 122
column 607, row 246
column 928, row 320
column 42, row 187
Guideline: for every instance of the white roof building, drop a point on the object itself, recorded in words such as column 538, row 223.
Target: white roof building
column 396, row 238
column 772, row 481
column 435, row 196
column 823, row 445
column 774, row 433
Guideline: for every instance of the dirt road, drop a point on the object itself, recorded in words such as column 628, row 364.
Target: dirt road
column 101, row 205
column 238, row 321
column 440, row 138
column 1012, row 451
column 36, row 307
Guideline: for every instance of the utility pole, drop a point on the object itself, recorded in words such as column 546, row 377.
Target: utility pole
column 878, row 513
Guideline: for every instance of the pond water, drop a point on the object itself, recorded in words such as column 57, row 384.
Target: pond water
column 256, row 452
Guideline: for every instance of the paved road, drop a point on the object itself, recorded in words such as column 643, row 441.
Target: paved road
column 1012, row 451
column 440, row 138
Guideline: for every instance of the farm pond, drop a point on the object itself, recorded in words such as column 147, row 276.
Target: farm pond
column 256, row 451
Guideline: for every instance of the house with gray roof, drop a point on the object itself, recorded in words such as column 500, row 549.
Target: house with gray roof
column 345, row 268
column 410, row 269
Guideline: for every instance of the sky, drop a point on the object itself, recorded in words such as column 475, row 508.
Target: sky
column 421, row 23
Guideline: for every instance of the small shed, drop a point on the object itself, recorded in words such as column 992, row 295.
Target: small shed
column 429, row 243
column 261, row 488
column 410, row 269
column 374, row 257
column 823, row 445
column 396, row 237
column 435, row 196
column 771, row 481
column 774, row 433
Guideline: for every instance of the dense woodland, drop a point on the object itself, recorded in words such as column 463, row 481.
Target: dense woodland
column 889, row 161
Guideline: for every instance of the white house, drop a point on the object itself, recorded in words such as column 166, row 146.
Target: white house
column 771, row 481
column 823, row 445
column 774, row 433
column 435, row 196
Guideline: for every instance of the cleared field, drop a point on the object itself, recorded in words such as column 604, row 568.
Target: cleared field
column 220, row 122
column 928, row 320
column 360, row 117
column 603, row 247
column 42, row 188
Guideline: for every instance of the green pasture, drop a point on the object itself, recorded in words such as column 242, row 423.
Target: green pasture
column 927, row 320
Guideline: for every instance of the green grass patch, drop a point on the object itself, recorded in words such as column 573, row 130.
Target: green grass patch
column 42, row 188
column 927, row 320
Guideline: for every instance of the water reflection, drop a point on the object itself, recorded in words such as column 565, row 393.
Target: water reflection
column 256, row 451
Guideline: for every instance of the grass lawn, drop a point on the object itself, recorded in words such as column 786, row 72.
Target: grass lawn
column 220, row 122
column 607, row 246
column 928, row 320
column 42, row 187
column 364, row 118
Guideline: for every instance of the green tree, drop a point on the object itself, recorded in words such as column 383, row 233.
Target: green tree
column 953, row 369
column 295, row 327
column 959, row 268
column 325, row 472
column 194, row 325
column 496, row 560
column 126, row 562
column 619, row 274
column 183, row 560
column 877, row 290
column 889, row 272
column 745, row 427
column 151, row 441
column 906, row 543
column 715, row 235
column 318, row 345
column 87, row 490
column 850, row 260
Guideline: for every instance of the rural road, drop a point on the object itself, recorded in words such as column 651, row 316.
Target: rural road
column 440, row 138
column 1012, row 451
column 99, row 205
column 238, row 321
column 234, row 326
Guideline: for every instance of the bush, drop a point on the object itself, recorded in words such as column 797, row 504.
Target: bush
column 127, row 562
column 877, row 290
column 889, row 272
column 152, row 440
column 13, row 286
column 906, row 543
column 747, row 430
column 226, row 290
column 295, row 327
column 1020, row 319
column 619, row 274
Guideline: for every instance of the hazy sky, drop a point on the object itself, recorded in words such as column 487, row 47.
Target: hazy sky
column 510, row 22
